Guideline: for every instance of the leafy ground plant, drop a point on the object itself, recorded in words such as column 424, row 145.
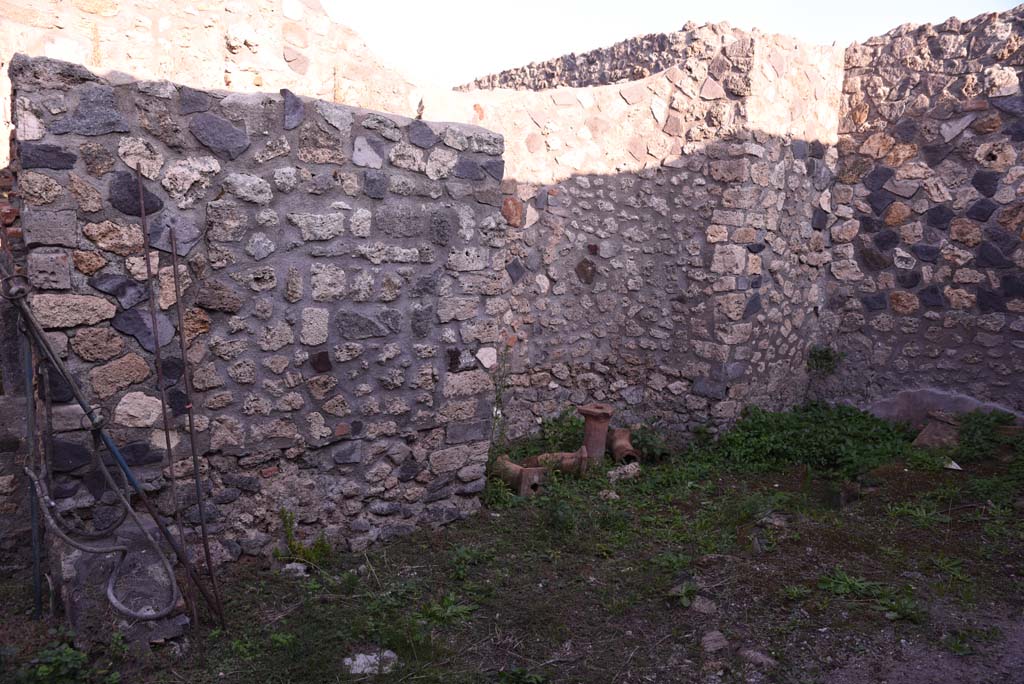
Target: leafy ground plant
column 980, row 435
column 62, row 663
column 834, row 440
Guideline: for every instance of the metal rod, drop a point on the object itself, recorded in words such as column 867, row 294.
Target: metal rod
column 158, row 359
column 97, row 425
column 191, row 417
column 37, row 541
column 120, row 549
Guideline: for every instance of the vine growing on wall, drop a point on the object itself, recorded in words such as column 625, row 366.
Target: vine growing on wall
column 502, row 369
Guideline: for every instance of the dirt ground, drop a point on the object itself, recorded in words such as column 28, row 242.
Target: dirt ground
column 690, row 575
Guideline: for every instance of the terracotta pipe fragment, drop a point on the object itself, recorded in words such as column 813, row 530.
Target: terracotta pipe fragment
column 570, row 462
column 596, row 418
column 622, row 447
column 526, row 481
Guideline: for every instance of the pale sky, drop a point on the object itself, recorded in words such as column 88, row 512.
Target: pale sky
column 449, row 42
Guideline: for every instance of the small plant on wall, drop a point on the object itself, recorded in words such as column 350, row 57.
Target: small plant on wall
column 822, row 361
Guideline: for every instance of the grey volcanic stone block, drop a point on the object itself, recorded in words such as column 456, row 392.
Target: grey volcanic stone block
column 356, row 326
column 96, row 113
column 40, row 156
column 137, row 323
column 43, row 227
column 219, row 135
column 124, row 195
column 186, row 232
column 68, row 456
column 421, row 135
column 294, row 110
column 128, row 292
column 191, row 101
column 216, row 296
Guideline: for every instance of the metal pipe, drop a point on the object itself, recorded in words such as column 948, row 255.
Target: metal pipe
column 187, row 373
column 158, row 362
column 97, row 425
column 119, row 549
column 37, row 541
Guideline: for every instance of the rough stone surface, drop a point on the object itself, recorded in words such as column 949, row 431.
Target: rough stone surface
column 109, row 379
column 674, row 246
column 70, row 310
column 219, row 135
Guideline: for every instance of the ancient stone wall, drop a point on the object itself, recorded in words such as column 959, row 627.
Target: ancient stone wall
column 250, row 45
column 339, row 287
column 926, row 286
column 661, row 246
column 628, row 60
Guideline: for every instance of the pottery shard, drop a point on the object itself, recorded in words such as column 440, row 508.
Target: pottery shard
column 109, row 379
column 114, row 237
column 97, row 344
column 68, row 311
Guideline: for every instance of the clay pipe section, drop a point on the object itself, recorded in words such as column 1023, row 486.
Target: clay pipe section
column 596, row 418
column 571, row 462
column 622, row 447
column 525, row 481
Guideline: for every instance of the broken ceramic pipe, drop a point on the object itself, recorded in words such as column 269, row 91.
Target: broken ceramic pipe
column 596, row 418
column 526, row 481
column 621, row 446
column 571, row 462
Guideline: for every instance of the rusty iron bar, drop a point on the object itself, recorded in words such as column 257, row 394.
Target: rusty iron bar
column 161, row 386
column 191, row 418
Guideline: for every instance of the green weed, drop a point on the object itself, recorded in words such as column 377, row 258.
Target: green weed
column 462, row 558
column 838, row 441
column 315, row 554
column 650, row 443
column 449, row 610
column 901, row 606
column 963, row 642
column 823, row 360
column 841, row 583
column 979, row 435
column 795, row 592
column 923, row 514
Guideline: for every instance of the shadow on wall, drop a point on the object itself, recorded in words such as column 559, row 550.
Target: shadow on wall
column 679, row 293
